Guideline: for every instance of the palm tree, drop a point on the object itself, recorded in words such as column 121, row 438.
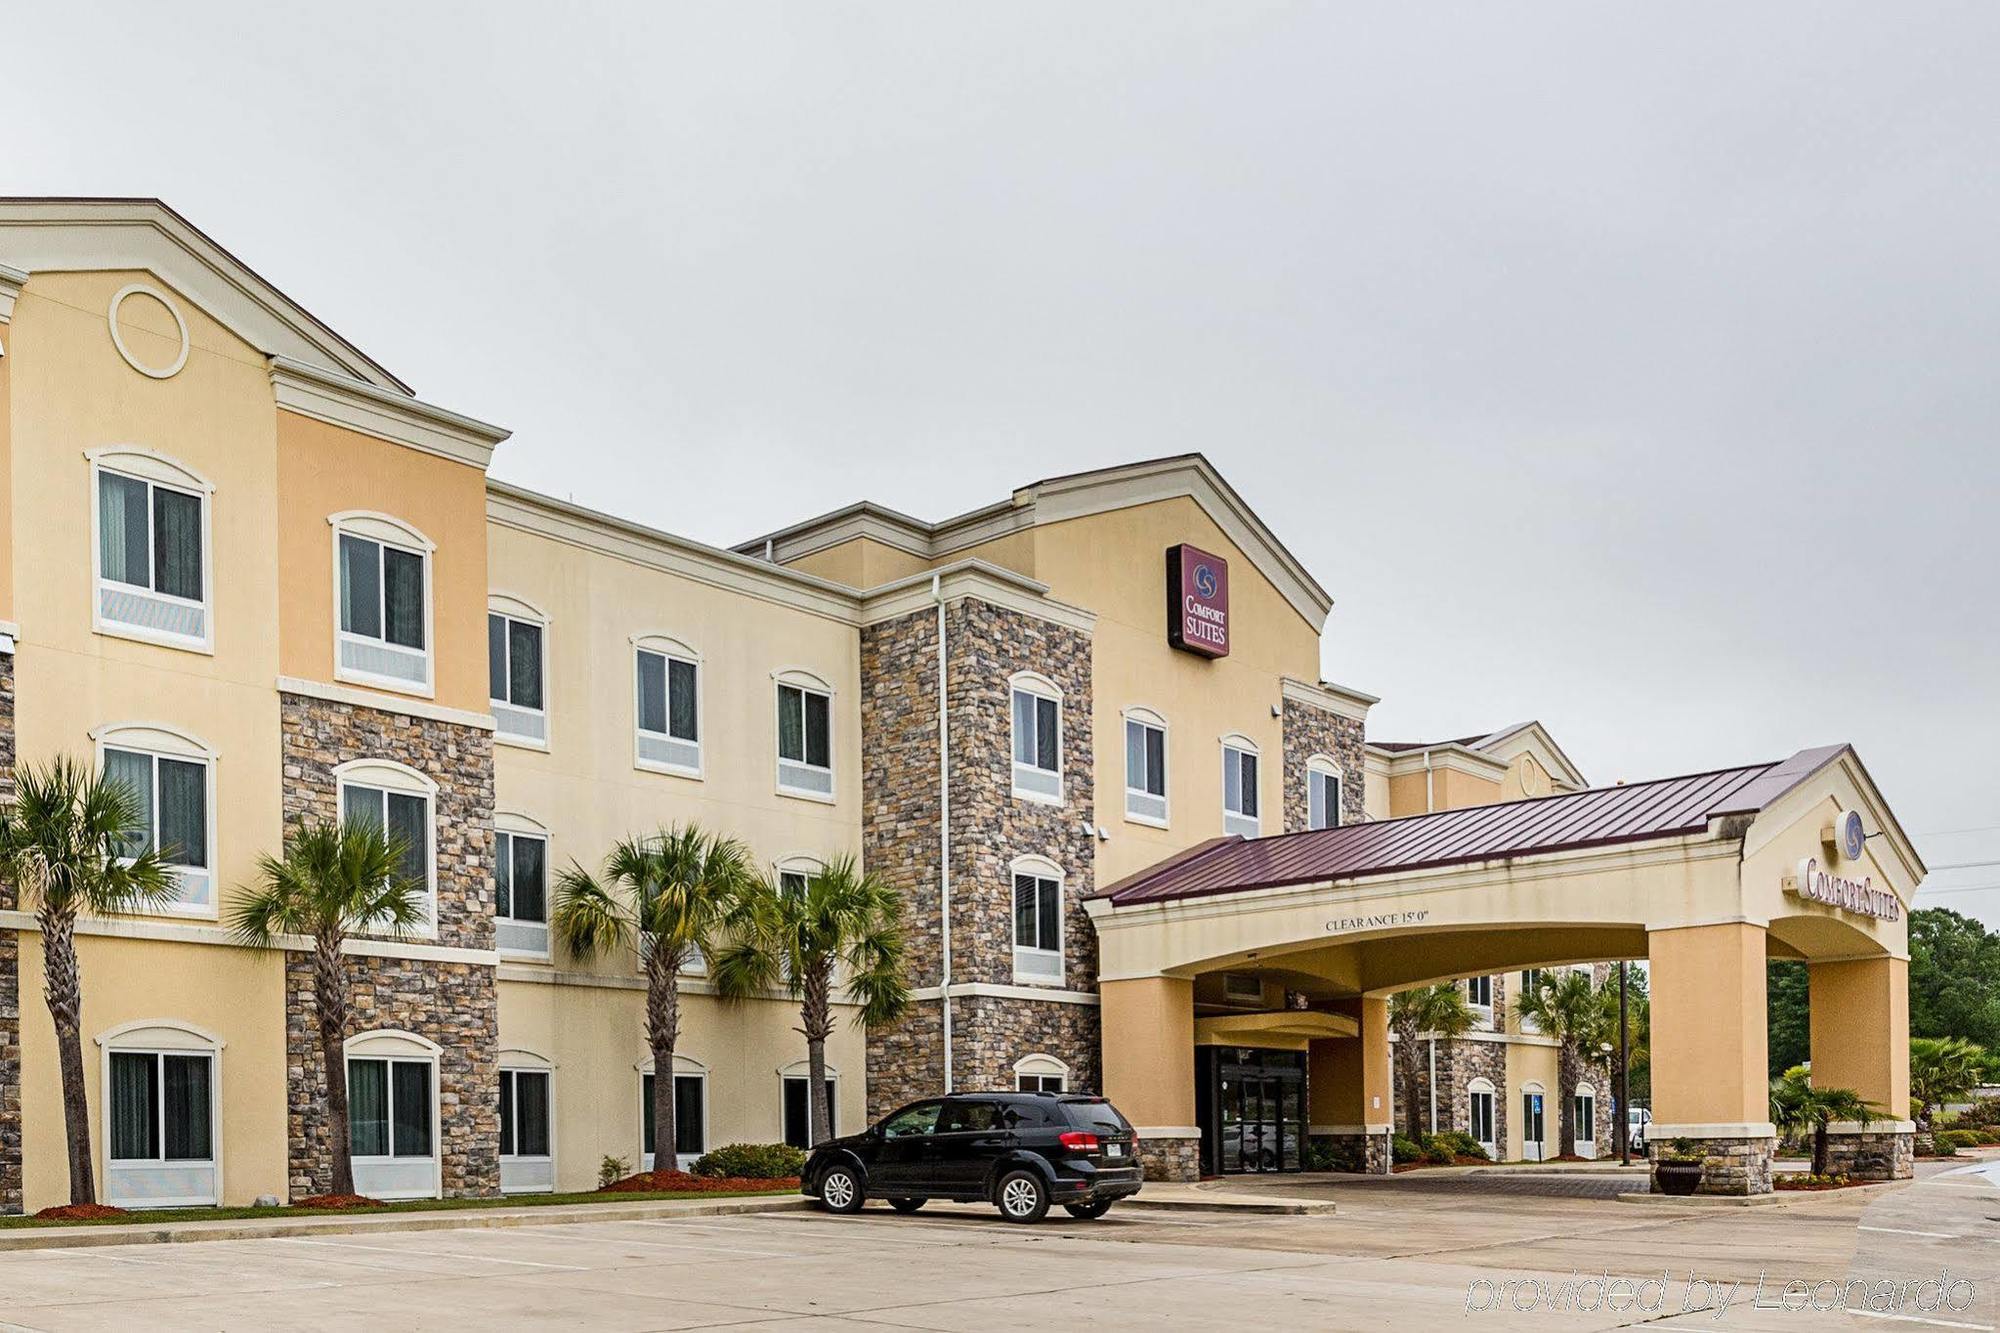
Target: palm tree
column 797, row 937
column 1581, row 1017
column 1942, row 1069
column 673, row 890
column 74, row 842
column 1797, row 1106
column 333, row 879
column 1439, row 1010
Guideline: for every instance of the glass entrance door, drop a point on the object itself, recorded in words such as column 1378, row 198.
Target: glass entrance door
column 1256, row 1110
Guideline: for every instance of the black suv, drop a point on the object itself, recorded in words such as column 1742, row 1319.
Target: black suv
column 1020, row 1151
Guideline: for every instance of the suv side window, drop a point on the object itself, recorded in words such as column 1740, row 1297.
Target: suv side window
column 969, row 1118
column 912, row 1120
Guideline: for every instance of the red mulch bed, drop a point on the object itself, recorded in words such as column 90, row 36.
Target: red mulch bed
column 80, row 1212
column 1804, row 1188
column 660, row 1182
column 1401, row 1167
column 338, row 1201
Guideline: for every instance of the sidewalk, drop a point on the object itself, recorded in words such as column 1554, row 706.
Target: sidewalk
column 1217, row 1196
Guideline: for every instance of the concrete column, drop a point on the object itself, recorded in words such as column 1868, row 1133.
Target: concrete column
column 1708, row 1051
column 1149, row 1069
column 1348, row 1082
column 1860, row 1012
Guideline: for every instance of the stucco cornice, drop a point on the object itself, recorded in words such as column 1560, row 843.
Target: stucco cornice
column 1446, row 757
column 11, row 282
column 974, row 580
column 339, row 401
column 1336, row 699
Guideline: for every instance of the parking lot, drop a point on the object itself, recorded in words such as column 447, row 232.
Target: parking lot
column 1392, row 1257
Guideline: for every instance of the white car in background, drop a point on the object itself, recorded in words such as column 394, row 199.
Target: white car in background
column 1637, row 1119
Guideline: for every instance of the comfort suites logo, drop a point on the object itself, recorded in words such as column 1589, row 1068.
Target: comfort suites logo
column 1197, row 601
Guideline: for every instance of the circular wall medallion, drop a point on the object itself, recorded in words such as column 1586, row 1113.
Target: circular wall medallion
column 118, row 338
column 1850, row 835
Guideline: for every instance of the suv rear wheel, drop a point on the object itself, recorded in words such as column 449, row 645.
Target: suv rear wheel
column 840, row 1191
column 1022, row 1197
column 1089, row 1212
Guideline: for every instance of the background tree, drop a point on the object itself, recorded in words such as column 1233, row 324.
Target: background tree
column 842, row 922
column 673, row 890
column 1790, row 1030
column 72, row 842
column 1797, row 1107
column 1566, row 1005
column 1422, row 1011
column 335, row 879
column 1942, row 1070
column 1954, row 977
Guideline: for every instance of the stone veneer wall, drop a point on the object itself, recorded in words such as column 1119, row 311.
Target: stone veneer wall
column 1729, row 1166
column 1309, row 731
column 10, row 978
column 1458, row 1063
column 990, row 828
column 454, row 1004
column 1872, row 1155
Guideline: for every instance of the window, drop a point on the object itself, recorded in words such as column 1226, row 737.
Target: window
column 1145, row 767
column 1037, row 738
column 514, row 669
column 1242, row 988
column 1322, row 793
column 1479, row 994
column 1038, row 958
column 392, row 1109
column 1480, row 1109
column 669, row 706
column 1532, row 1123
column 1531, row 984
column 160, row 1114
column 1041, row 1073
column 524, row 1113
column 912, row 1121
column 1583, row 1110
column 690, row 1117
column 171, row 776
column 152, row 550
column 805, row 737
column 521, row 886
column 390, row 796
column 382, row 569
column 797, row 1130
column 1239, row 787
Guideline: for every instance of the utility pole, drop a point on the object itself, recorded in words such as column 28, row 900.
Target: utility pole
column 1624, row 1073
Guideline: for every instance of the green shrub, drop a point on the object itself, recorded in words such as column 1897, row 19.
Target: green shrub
column 1459, row 1144
column 1438, row 1154
column 756, row 1161
column 1959, row 1138
column 1404, row 1149
column 1982, row 1114
column 1327, row 1154
column 1988, row 1137
column 612, row 1170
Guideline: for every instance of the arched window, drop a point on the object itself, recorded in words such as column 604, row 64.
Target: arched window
column 150, row 516
column 1240, row 803
column 1038, row 922
column 1480, row 1113
column 667, row 675
column 392, row 1110
column 1037, row 715
column 172, row 776
column 521, row 885
column 161, row 1115
column 793, row 1080
column 1041, row 1073
column 690, row 1111
column 517, row 669
column 1534, row 1122
column 396, row 797
column 1322, row 792
column 1583, row 1107
column 527, row 1123
column 1146, row 767
column 382, row 607
column 805, row 735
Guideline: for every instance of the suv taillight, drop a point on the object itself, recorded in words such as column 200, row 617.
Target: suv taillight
column 1075, row 1141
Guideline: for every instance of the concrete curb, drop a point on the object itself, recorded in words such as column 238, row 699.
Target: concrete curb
column 1200, row 1199
column 1773, row 1199
column 443, row 1219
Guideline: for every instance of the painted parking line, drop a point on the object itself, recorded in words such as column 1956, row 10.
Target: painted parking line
column 433, row 1254
column 1920, row 1319
column 1901, row 1231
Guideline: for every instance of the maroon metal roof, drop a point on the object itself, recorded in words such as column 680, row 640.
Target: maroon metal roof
column 1601, row 816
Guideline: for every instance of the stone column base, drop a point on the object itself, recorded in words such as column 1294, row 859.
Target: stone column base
column 1169, row 1156
column 1731, row 1164
column 1358, row 1150
column 1886, row 1151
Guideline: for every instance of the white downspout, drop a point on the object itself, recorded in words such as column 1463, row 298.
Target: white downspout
column 944, row 830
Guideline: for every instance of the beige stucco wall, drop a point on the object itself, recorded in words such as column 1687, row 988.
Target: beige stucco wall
column 1531, row 1063
column 324, row 470
column 6, row 472
column 234, row 994
column 861, row 563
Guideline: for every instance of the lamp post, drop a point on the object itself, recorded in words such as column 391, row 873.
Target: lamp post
column 1624, row 1127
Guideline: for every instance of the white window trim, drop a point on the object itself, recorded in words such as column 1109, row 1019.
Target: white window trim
column 158, row 739
column 685, row 1066
column 1586, row 1129
column 521, row 826
column 160, row 470
column 393, row 1045
column 1322, row 765
column 1041, row 868
column 529, row 1062
column 1236, row 741
column 1484, row 1087
column 1541, row 1144
column 668, row 646
column 1149, row 717
column 386, row 530
column 1482, row 1013
column 525, row 611
column 799, row 678
column 162, row 1036
column 802, row 1070
column 1035, row 686
column 1040, row 1065
column 388, row 775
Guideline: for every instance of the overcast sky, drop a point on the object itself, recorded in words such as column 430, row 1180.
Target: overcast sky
column 1634, row 371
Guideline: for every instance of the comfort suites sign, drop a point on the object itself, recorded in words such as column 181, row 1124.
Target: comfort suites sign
column 1197, row 601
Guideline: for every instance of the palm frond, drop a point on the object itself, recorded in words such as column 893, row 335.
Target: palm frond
column 588, row 918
